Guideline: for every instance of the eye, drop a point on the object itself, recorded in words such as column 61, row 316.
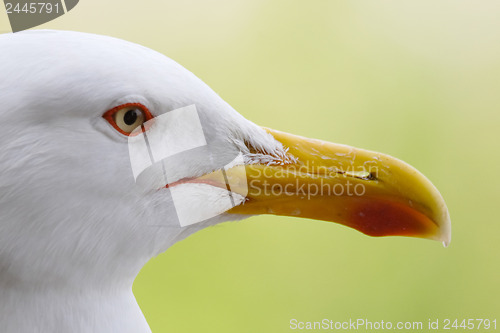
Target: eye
column 127, row 117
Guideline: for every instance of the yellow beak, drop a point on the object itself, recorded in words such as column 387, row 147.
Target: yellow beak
column 374, row 193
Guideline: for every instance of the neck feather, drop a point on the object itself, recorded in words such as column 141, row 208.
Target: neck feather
column 70, row 310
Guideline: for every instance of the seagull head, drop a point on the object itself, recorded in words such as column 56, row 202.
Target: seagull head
column 79, row 204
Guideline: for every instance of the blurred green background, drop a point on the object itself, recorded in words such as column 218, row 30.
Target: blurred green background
column 419, row 80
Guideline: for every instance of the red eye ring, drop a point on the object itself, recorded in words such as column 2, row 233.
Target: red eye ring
column 110, row 115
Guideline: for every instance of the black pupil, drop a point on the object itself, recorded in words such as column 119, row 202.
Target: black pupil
column 130, row 117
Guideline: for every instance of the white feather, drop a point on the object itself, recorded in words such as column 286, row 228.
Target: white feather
column 74, row 230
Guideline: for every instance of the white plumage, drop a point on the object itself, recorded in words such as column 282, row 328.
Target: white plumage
column 73, row 231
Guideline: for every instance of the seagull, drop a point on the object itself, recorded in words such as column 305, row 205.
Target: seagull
column 82, row 211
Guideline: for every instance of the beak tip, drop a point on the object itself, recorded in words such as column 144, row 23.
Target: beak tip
column 445, row 235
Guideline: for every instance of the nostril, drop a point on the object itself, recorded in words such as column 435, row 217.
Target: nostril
column 361, row 175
